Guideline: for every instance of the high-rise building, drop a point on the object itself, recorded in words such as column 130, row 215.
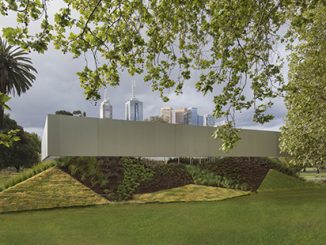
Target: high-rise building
column 166, row 114
column 200, row 120
column 210, row 120
column 106, row 108
column 134, row 107
column 179, row 115
column 191, row 116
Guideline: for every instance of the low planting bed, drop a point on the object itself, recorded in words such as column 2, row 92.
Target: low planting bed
column 120, row 179
column 247, row 171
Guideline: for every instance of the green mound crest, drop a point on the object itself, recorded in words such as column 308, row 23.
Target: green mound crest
column 275, row 180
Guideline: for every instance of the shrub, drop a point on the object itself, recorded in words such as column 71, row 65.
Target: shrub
column 166, row 176
column 250, row 170
column 134, row 173
column 205, row 177
column 86, row 169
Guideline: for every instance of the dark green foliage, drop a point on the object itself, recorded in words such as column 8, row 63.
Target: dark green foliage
column 77, row 113
column 165, row 176
column 23, row 153
column 102, row 174
column 134, row 174
column 63, row 112
column 85, row 169
column 205, row 177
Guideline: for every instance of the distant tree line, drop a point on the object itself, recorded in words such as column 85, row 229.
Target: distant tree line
column 74, row 113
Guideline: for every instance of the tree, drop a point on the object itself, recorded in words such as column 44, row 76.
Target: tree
column 77, row 113
column 23, row 153
column 304, row 134
column 230, row 43
column 7, row 139
column 16, row 72
column 63, row 112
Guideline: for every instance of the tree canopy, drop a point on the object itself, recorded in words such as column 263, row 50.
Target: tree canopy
column 304, row 134
column 16, row 72
column 23, row 153
column 232, row 44
column 9, row 137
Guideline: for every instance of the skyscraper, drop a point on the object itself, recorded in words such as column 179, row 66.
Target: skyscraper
column 210, row 120
column 166, row 114
column 106, row 108
column 180, row 115
column 133, row 107
column 191, row 116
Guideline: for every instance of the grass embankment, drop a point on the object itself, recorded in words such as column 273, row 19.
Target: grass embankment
column 49, row 189
column 271, row 217
column 189, row 193
column 9, row 179
column 275, row 180
column 5, row 176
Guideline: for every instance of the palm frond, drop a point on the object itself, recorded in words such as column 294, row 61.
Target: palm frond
column 16, row 69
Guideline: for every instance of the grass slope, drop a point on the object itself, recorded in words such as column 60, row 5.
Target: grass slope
column 5, row 176
column 188, row 193
column 9, row 179
column 275, row 180
column 274, row 217
column 49, row 189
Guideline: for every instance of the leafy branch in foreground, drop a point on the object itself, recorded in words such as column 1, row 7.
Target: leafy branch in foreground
column 230, row 44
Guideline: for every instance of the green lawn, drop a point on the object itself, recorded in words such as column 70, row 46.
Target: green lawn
column 271, row 217
column 285, row 210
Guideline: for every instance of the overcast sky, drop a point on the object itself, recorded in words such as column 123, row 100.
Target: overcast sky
column 57, row 88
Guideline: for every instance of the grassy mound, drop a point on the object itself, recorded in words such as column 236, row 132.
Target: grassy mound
column 275, row 180
column 49, row 189
column 9, row 179
column 189, row 193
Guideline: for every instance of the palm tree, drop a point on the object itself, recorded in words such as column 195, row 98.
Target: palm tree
column 16, row 72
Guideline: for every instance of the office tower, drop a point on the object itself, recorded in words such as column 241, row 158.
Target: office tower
column 166, row 114
column 200, row 120
column 179, row 115
column 191, row 116
column 106, row 108
column 210, row 120
column 134, row 107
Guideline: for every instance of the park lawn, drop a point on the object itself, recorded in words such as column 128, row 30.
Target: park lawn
column 188, row 193
column 49, row 189
column 269, row 217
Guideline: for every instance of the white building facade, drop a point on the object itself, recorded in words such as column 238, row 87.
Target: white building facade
column 106, row 110
column 166, row 114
